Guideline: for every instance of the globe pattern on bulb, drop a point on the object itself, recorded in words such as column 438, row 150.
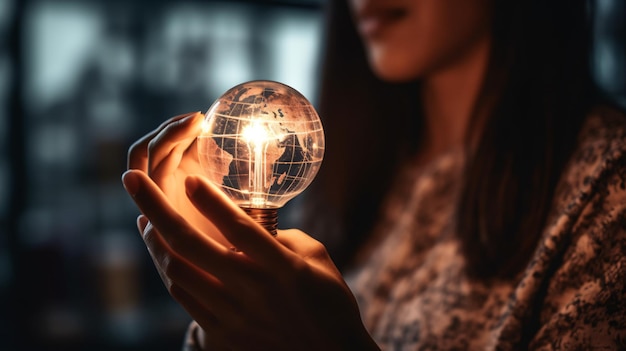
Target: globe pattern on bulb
column 262, row 142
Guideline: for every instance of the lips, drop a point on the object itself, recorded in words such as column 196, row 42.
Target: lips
column 372, row 22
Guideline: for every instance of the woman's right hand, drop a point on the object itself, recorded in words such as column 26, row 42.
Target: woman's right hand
column 168, row 155
column 274, row 293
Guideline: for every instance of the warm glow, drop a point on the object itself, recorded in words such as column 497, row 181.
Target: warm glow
column 257, row 136
column 205, row 126
column 255, row 133
column 262, row 142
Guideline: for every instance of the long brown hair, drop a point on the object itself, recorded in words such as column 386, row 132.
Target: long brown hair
column 538, row 88
column 540, row 74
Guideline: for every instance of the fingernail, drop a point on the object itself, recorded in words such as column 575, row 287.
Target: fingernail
column 191, row 117
column 142, row 222
column 188, row 118
column 131, row 182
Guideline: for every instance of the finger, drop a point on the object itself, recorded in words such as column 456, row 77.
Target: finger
column 198, row 311
column 300, row 243
column 191, row 152
column 238, row 228
column 307, row 248
column 165, row 164
column 167, row 148
column 138, row 151
column 142, row 222
column 181, row 237
column 154, row 255
column 211, row 336
column 176, row 270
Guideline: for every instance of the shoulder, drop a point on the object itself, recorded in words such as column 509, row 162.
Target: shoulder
column 589, row 218
column 584, row 303
column 602, row 139
column 598, row 162
column 605, row 130
column 589, row 211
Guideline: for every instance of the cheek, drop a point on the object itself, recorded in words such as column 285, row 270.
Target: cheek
column 431, row 39
column 409, row 49
column 396, row 62
column 408, row 54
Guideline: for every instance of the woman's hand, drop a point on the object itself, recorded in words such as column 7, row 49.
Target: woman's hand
column 168, row 155
column 273, row 293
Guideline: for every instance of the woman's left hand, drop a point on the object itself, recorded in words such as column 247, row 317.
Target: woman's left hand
column 169, row 154
column 272, row 293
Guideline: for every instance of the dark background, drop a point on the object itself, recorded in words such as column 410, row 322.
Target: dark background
column 79, row 82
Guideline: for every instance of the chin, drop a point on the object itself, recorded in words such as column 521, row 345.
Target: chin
column 393, row 70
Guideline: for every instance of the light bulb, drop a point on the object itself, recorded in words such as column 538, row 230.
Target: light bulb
column 262, row 142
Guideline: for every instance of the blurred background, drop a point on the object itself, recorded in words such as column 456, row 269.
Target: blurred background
column 80, row 80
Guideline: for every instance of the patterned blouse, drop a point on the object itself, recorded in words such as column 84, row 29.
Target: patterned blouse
column 413, row 292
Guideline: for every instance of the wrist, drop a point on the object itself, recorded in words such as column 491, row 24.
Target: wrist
column 358, row 339
column 365, row 342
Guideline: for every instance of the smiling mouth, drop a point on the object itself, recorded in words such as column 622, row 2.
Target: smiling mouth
column 373, row 23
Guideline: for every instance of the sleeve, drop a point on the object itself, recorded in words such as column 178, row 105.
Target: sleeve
column 190, row 342
column 585, row 302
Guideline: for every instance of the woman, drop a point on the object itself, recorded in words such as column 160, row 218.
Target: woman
column 492, row 171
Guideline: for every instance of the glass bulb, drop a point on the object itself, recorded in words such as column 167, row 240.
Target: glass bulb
column 262, row 142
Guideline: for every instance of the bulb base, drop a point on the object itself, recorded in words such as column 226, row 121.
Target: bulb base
column 267, row 217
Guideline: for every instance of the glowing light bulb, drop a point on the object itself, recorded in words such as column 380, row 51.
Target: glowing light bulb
column 263, row 143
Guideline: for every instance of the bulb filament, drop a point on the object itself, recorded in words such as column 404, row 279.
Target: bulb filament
column 257, row 138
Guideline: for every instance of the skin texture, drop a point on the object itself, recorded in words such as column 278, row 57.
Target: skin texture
column 168, row 154
column 285, row 293
column 443, row 43
column 279, row 293
column 408, row 39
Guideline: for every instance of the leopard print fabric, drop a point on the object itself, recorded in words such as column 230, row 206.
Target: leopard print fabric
column 414, row 294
